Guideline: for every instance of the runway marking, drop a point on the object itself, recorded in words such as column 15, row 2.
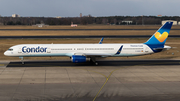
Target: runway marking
column 89, row 71
column 98, row 73
column 18, row 84
column 107, row 78
column 105, row 83
column 2, row 71
column 2, row 65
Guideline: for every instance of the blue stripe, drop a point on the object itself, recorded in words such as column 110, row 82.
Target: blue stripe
column 155, row 46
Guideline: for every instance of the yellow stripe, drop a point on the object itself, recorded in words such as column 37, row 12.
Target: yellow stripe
column 105, row 83
column 98, row 73
column 1, row 64
column 100, row 90
column 88, row 70
column 107, row 78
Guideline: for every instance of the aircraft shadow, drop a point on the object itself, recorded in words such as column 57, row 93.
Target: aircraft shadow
column 100, row 63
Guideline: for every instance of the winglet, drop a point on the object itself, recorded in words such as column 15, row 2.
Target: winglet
column 100, row 42
column 119, row 51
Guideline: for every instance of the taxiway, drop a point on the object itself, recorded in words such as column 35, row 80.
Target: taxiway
column 150, row 80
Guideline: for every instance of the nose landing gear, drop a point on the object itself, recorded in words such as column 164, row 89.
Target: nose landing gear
column 22, row 60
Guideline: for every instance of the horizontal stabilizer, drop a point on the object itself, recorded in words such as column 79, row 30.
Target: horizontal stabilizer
column 165, row 48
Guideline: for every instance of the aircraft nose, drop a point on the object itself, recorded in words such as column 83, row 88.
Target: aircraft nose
column 5, row 53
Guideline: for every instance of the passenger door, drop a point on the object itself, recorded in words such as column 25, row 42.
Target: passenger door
column 48, row 50
column 146, row 49
column 19, row 50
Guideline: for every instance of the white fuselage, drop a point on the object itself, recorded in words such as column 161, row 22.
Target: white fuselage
column 96, row 50
column 88, row 52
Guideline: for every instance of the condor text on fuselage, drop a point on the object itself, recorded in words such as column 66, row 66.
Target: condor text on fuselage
column 38, row 49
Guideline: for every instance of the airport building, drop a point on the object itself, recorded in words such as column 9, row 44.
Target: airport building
column 174, row 22
column 15, row 15
column 127, row 22
column 58, row 17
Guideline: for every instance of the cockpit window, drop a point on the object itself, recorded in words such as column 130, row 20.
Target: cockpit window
column 10, row 49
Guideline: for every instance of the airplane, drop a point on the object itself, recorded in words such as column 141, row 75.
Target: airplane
column 79, row 53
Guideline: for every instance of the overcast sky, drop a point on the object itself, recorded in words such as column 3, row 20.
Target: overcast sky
column 72, row 8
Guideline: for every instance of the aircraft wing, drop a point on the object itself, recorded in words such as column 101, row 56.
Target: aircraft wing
column 97, row 55
column 93, row 54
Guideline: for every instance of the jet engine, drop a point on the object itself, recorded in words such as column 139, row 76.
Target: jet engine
column 79, row 59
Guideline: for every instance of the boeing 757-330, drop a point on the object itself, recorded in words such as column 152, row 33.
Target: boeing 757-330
column 89, row 52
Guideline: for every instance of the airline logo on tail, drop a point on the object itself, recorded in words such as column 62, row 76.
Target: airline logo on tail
column 157, row 41
column 161, row 37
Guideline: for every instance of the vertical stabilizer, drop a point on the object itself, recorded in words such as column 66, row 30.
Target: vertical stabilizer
column 160, row 36
column 158, row 39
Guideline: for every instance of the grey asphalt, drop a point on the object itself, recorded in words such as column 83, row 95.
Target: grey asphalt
column 128, row 82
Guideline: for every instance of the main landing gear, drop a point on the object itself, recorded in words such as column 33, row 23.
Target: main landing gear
column 22, row 60
column 93, row 60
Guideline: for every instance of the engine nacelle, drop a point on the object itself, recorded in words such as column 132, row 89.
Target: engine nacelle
column 79, row 59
